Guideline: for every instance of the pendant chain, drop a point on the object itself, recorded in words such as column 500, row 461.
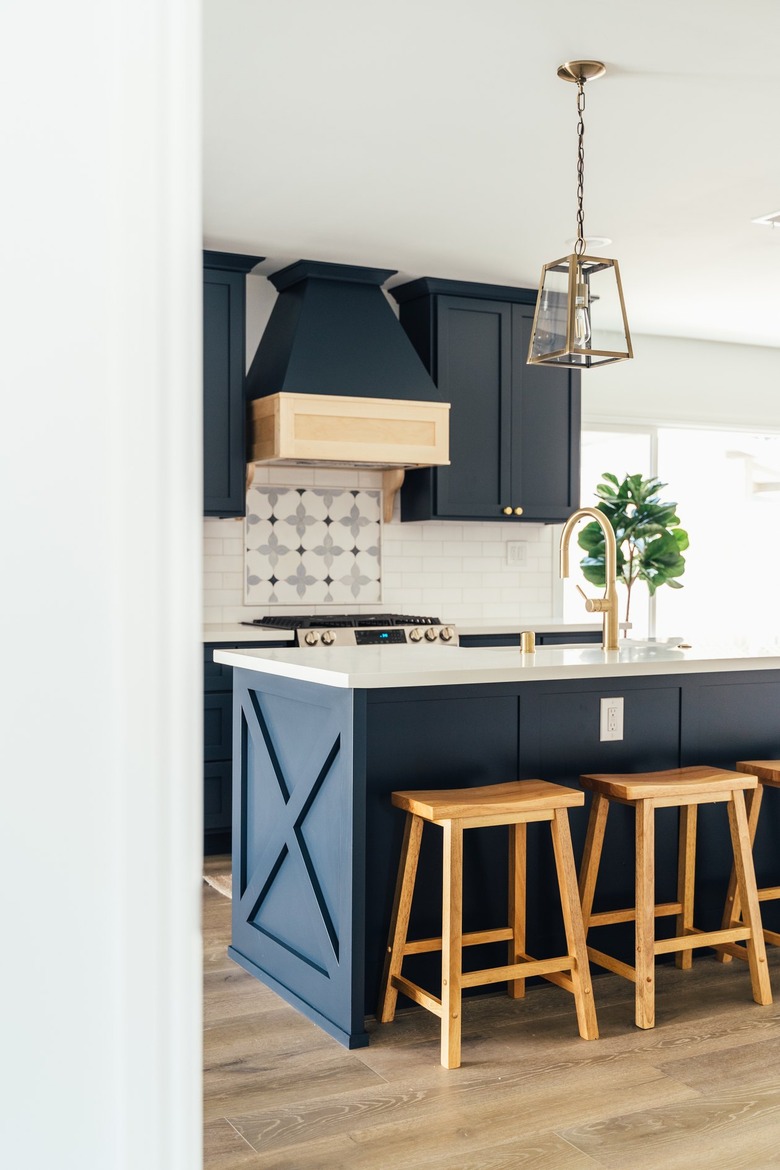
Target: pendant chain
column 579, row 246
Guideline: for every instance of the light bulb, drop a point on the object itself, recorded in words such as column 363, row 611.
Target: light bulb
column 582, row 332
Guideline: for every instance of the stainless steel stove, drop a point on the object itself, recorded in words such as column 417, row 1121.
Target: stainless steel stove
column 361, row 629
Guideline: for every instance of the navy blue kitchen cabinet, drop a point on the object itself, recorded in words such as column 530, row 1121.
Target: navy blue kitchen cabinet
column 224, row 364
column 542, row 638
column 514, row 428
column 218, row 746
column 317, row 838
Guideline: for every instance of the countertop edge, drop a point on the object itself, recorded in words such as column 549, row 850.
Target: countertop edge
column 338, row 668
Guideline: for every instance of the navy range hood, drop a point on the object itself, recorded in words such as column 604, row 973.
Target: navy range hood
column 335, row 379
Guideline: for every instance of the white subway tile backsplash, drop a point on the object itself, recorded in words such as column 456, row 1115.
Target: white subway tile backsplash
column 406, row 565
column 216, row 529
column 296, row 477
column 455, row 570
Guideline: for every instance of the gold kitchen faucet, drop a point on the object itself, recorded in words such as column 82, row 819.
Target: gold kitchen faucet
column 608, row 604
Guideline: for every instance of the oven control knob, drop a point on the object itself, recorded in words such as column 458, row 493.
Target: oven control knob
column 431, row 634
column 311, row 638
column 328, row 638
column 415, row 635
column 446, row 633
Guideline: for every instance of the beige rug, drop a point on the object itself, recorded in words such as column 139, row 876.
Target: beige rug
column 221, row 882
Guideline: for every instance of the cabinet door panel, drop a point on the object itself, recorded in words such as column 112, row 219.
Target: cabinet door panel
column 545, row 431
column 217, row 726
column 224, row 427
column 217, row 806
column 473, row 367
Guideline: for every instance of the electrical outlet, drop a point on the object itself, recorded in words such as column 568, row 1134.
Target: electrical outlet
column 611, row 724
column 516, row 552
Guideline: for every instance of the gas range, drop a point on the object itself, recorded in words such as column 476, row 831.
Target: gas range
column 361, row 629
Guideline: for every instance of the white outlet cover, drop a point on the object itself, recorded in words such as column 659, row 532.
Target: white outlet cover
column 611, row 720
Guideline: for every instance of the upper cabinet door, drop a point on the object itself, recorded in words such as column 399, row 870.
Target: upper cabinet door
column 474, row 373
column 545, row 454
column 224, row 363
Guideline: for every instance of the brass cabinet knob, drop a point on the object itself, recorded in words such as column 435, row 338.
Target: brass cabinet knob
column 518, row 511
column 507, row 511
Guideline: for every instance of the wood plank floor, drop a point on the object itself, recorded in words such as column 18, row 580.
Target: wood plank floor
column 702, row 1088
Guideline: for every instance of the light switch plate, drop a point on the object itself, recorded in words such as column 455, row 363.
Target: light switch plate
column 611, row 723
column 516, row 552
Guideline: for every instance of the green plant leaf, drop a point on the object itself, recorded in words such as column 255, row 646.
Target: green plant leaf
column 647, row 533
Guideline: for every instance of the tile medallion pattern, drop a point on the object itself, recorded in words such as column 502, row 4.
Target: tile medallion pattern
column 312, row 546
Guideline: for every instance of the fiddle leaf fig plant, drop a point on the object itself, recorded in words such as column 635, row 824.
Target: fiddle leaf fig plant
column 650, row 541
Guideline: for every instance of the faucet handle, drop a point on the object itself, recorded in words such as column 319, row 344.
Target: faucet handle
column 594, row 604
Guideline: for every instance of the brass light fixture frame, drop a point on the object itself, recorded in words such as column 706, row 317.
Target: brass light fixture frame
column 577, row 265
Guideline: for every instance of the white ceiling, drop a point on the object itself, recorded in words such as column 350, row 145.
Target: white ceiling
column 433, row 137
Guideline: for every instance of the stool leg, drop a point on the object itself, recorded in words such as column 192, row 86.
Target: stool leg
column 399, row 922
column 748, row 898
column 594, row 842
column 572, row 921
column 686, row 875
column 451, row 944
column 517, row 903
column 645, row 914
column 732, row 912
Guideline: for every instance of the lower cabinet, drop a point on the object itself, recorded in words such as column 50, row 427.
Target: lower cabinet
column 218, row 746
column 543, row 638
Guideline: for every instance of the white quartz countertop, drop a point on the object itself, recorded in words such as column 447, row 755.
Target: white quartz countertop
column 370, row 667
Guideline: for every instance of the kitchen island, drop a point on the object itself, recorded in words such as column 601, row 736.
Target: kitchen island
column 323, row 736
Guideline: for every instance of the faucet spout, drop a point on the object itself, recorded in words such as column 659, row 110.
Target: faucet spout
column 608, row 604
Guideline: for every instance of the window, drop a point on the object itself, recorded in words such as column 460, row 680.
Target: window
column 727, row 485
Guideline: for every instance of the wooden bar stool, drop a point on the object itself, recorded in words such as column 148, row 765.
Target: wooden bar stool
column 686, row 789
column 514, row 804
column 768, row 774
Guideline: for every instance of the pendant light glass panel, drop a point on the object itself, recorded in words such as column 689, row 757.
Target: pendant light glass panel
column 580, row 318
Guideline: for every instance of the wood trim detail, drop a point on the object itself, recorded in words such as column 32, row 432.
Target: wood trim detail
column 377, row 432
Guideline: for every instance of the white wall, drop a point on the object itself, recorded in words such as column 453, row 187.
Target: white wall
column 675, row 380
column 100, row 587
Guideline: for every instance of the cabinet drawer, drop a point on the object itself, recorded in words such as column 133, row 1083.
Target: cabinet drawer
column 216, row 793
column 217, row 726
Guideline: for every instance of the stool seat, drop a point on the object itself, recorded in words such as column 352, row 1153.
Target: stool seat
column 517, row 796
column 686, row 789
column 514, row 804
column 768, row 771
column 672, row 782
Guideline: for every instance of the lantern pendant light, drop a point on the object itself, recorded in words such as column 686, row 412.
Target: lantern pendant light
column 580, row 317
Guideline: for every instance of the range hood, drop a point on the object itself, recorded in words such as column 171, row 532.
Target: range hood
column 336, row 381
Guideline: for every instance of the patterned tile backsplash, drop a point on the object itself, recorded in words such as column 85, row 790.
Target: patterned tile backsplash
column 312, row 546
column 295, row 561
